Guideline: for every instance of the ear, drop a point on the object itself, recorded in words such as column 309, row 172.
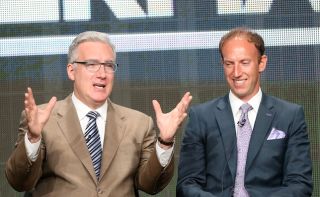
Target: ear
column 70, row 71
column 263, row 63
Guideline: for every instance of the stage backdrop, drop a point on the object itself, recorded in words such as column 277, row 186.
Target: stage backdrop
column 165, row 47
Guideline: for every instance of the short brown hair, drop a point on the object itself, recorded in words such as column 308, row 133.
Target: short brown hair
column 243, row 32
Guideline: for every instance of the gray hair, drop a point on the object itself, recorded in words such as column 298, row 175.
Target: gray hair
column 88, row 36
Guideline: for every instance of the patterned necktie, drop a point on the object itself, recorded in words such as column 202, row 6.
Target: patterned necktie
column 93, row 141
column 243, row 139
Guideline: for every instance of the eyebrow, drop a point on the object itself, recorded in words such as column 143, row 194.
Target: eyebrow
column 94, row 60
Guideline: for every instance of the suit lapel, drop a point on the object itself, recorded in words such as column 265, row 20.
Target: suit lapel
column 225, row 121
column 261, row 127
column 70, row 126
column 114, row 133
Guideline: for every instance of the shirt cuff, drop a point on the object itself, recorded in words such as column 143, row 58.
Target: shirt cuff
column 163, row 154
column 31, row 148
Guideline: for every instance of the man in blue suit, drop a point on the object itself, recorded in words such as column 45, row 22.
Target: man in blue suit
column 277, row 161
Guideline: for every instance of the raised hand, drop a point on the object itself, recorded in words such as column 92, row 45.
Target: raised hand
column 169, row 123
column 36, row 117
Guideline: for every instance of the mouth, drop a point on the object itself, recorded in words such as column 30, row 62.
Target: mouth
column 239, row 82
column 99, row 85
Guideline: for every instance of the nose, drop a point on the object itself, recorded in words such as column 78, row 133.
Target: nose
column 101, row 72
column 237, row 70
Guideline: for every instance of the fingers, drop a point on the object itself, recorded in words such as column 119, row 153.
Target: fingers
column 29, row 102
column 183, row 106
column 29, row 105
column 186, row 99
column 184, row 103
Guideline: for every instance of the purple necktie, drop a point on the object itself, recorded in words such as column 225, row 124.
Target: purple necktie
column 243, row 139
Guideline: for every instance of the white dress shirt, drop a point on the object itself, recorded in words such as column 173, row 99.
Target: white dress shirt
column 82, row 110
column 236, row 103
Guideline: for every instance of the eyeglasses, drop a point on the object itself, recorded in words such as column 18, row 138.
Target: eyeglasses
column 93, row 66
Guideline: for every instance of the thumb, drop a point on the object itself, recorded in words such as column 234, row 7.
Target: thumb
column 157, row 107
column 51, row 104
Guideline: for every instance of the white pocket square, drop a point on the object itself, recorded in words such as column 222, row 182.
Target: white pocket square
column 276, row 134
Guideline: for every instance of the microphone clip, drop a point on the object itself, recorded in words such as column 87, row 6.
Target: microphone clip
column 241, row 122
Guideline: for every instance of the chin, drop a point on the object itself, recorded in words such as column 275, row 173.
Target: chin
column 240, row 94
column 99, row 99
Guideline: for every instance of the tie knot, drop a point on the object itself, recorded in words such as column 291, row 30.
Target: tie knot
column 245, row 108
column 92, row 114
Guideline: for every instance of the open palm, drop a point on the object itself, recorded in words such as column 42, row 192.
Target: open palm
column 36, row 117
column 168, row 123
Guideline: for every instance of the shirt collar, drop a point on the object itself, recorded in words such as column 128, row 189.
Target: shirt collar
column 236, row 103
column 83, row 109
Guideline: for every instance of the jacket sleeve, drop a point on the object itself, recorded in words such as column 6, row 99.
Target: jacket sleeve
column 151, row 176
column 192, row 170
column 297, row 166
column 21, row 173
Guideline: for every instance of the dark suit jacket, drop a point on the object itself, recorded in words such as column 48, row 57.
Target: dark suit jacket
column 279, row 167
column 64, row 166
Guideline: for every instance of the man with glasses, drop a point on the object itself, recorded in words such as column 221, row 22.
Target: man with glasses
column 86, row 145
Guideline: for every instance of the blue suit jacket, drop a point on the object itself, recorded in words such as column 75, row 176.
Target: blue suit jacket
column 278, row 167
